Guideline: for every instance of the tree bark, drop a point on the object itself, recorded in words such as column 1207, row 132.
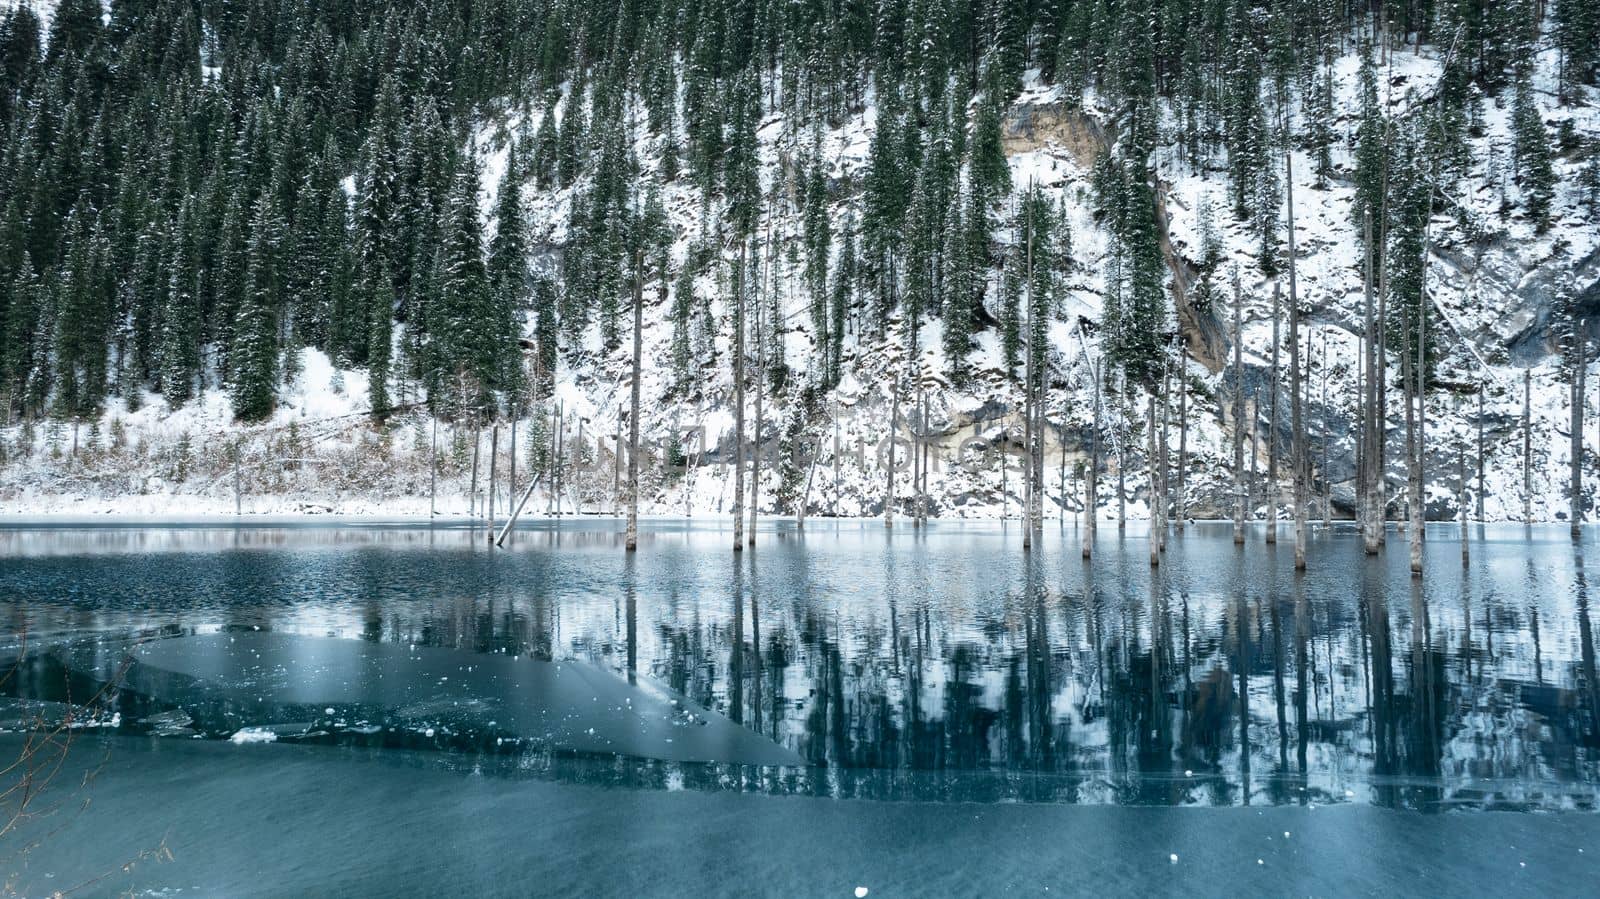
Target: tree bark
column 738, row 396
column 1155, row 480
column 1527, row 445
column 1181, row 499
column 1579, row 369
column 755, row 438
column 1238, row 417
column 1373, row 501
column 1298, row 457
column 1272, row 424
column 632, row 543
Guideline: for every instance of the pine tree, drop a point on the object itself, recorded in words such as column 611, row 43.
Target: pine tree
column 377, row 295
column 844, row 293
column 463, row 329
column 180, row 320
column 817, row 241
column 1531, row 145
column 509, row 281
column 254, row 353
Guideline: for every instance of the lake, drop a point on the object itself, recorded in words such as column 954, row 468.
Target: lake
column 277, row 709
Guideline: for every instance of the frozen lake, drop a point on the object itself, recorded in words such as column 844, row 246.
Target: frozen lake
column 394, row 709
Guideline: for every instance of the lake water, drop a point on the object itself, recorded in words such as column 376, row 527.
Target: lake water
column 268, row 700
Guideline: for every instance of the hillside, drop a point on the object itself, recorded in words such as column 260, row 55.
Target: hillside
column 1502, row 277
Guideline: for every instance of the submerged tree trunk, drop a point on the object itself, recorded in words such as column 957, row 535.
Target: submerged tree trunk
column 1090, row 500
column 1122, row 453
column 894, row 431
column 738, row 398
column 1163, row 452
column 1478, row 500
column 755, row 438
column 1272, row 424
column 1579, row 370
column 1373, row 504
column 1180, row 501
column 1419, row 388
column 1298, row 457
column 1155, row 480
column 1461, row 502
column 1238, row 417
column 1527, row 445
column 632, row 542
column 1327, row 479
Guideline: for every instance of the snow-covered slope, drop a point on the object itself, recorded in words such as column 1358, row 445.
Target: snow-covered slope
column 1497, row 298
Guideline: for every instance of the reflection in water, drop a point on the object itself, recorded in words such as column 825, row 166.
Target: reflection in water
column 946, row 663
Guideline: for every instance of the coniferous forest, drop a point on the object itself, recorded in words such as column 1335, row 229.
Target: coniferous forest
column 458, row 202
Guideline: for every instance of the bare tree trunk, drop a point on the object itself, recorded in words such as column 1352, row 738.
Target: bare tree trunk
column 616, row 467
column 472, row 491
column 1381, row 434
column 925, row 452
column 1579, row 369
column 894, row 431
column 1527, row 445
column 1239, row 498
column 1090, row 500
column 1164, row 457
column 494, row 455
column 1327, row 480
column 915, row 427
column 761, row 391
column 1461, row 502
column 1155, row 480
column 837, row 461
column 738, row 396
column 1122, row 454
column 1478, row 500
column 1272, row 424
column 1181, row 504
column 433, row 469
column 1373, row 502
column 1419, row 384
column 632, row 543
column 1298, row 457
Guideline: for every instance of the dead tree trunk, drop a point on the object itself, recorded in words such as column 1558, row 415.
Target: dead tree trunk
column 1155, row 480
column 1373, row 501
column 755, row 439
column 1238, row 416
column 1461, row 502
column 1327, row 480
column 894, row 431
column 1164, row 456
column 738, row 397
column 472, row 491
column 1298, row 457
column 1580, row 366
column 1090, row 501
column 1527, row 445
column 1122, row 453
column 1478, row 500
column 632, row 543
column 1180, row 507
column 1272, row 424
column 1419, row 386
column 494, row 454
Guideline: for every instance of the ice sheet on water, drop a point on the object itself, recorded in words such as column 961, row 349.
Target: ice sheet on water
column 299, row 686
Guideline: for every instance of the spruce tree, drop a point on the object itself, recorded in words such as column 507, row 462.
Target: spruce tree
column 254, row 352
column 1531, row 145
column 180, row 320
